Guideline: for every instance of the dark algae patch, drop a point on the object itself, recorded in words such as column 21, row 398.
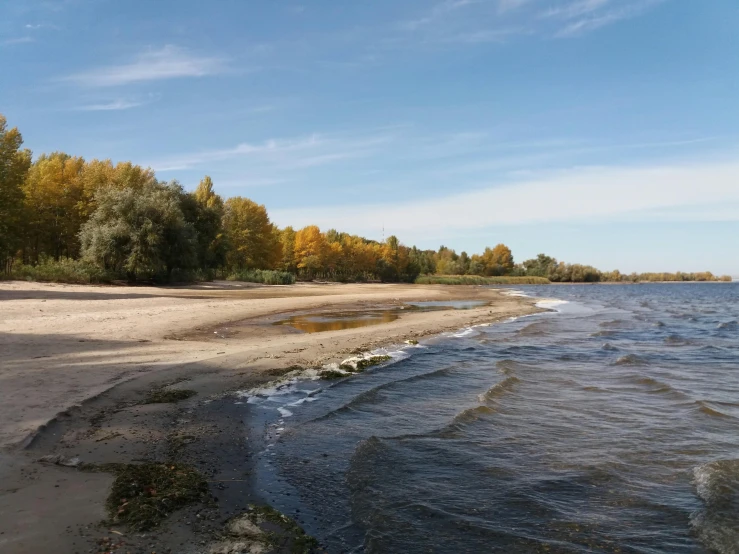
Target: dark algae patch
column 168, row 396
column 283, row 532
column 373, row 361
column 346, row 369
column 330, row 374
column 143, row 495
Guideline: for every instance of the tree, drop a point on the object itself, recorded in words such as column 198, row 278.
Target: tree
column 204, row 209
column 310, row 250
column 253, row 241
column 14, row 164
column 53, row 197
column 139, row 232
column 287, row 240
column 498, row 260
column 540, row 266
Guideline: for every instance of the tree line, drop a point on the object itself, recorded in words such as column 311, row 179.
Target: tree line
column 101, row 221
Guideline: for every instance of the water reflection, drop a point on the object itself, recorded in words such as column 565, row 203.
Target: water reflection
column 318, row 323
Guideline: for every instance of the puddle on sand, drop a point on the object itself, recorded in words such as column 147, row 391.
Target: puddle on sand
column 449, row 304
column 318, row 323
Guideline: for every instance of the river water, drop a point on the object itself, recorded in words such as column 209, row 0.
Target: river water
column 608, row 425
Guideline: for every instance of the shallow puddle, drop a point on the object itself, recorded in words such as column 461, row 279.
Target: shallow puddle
column 318, row 323
column 449, row 304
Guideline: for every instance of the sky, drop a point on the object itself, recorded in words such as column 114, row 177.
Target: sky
column 603, row 132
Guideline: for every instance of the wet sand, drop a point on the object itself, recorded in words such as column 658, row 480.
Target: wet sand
column 76, row 363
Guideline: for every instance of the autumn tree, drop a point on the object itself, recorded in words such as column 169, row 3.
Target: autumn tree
column 14, row 164
column 253, row 241
column 310, row 250
column 498, row 260
column 53, row 196
column 98, row 174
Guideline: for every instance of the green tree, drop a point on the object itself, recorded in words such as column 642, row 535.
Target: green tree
column 142, row 233
column 204, row 209
column 14, row 164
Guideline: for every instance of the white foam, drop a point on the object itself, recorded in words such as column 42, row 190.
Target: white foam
column 515, row 293
column 550, row 303
column 284, row 412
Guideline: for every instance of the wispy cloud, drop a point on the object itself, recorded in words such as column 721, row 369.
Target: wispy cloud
column 583, row 16
column 597, row 194
column 38, row 26
column 17, row 40
column 283, row 154
column 115, row 105
column 170, row 62
column 438, row 11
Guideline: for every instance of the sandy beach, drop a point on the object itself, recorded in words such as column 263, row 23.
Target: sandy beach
column 76, row 363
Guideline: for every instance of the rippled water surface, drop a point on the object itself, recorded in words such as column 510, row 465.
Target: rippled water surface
column 609, row 426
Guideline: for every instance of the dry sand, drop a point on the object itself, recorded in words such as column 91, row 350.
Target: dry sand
column 76, row 361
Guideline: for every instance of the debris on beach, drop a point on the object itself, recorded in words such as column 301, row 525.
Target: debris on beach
column 168, row 396
column 60, row 460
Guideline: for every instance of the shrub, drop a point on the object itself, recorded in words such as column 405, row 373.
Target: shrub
column 65, row 270
column 265, row 276
column 478, row 280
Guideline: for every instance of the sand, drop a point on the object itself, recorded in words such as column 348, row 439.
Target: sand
column 77, row 361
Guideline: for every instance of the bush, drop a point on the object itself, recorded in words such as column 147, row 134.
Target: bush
column 477, row 280
column 65, row 270
column 265, row 276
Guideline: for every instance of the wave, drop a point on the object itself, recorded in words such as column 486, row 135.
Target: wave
column 677, row 340
column 603, row 334
column 713, row 408
column 534, row 329
column 507, row 367
column 616, row 323
column 631, row 359
column 609, row 347
column 732, row 325
column 371, row 396
column 717, row 485
column 499, row 389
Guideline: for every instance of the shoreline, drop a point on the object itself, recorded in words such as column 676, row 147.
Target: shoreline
column 73, row 334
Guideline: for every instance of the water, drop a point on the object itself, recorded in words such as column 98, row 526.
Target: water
column 609, row 426
column 338, row 321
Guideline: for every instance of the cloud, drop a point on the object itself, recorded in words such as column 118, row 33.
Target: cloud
column 284, row 154
column 588, row 15
column 19, row 40
column 37, row 26
column 169, row 62
column 110, row 106
column 575, row 9
column 595, row 194
column 438, row 11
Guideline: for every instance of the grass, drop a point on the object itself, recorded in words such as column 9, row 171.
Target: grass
column 264, row 276
column 478, row 280
column 66, row 270
column 143, row 495
column 168, row 396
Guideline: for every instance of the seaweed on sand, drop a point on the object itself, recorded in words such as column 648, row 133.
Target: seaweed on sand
column 143, row 495
column 168, row 396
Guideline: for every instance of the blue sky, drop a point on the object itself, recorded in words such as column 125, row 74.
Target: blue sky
column 597, row 131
